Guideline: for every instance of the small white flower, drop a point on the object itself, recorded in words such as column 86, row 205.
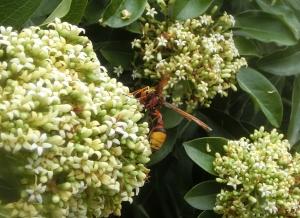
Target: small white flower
column 162, row 41
column 136, row 43
column 259, row 165
column 40, row 148
column 151, row 12
column 271, row 207
column 118, row 70
column 35, row 193
column 206, row 20
column 266, row 190
column 180, row 43
column 234, row 181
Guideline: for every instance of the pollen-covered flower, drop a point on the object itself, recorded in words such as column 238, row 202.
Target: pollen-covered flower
column 261, row 175
column 70, row 133
column 198, row 55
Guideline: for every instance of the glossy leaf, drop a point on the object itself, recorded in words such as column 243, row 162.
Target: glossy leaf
column 263, row 93
column 76, row 11
column 112, row 16
column 246, row 47
column 282, row 63
column 171, row 118
column 203, row 195
column 117, row 53
column 295, row 4
column 185, row 9
column 45, row 8
column 202, row 151
column 294, row 124
column 208, row 214
column 283, row 12
column 135, row 27
column 16, row 12
column 60, row 11
column 270, row 28
column 94, row 10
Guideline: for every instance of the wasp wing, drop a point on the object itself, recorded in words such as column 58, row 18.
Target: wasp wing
column 188, row 116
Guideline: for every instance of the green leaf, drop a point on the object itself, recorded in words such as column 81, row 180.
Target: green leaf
column 165, row 149
column 45, row 8
column 283, row 12
column 294, row 127
column 270, row 28
column 10, row 186
column 112, row 16
column 135, row 27
column 197, row 150
column 203, row 195
column 170, row 117
column 60, row 11
column 263, row 93
column 208, row 214
column 185, row 9
column 76, row 11
column 94, row 10
column 16, row 12
column 246, row 47
column 281, row 63
column 117, row 53
column 294, row 3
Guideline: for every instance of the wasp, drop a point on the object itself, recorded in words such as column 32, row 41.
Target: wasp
column 153, row 100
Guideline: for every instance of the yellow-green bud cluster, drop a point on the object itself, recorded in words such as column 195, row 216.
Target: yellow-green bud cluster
column 198, row 55
column 261, row 175
column 75, row 129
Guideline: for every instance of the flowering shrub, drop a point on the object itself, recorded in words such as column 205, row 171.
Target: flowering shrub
column 198, row 55
column 74, row 131
column 262, row 175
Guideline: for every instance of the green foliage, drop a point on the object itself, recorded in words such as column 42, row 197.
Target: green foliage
column 281, row 63
column 113, row 14
column 117, row 53
column 184, row 9
column 60, row 11
column 270, row 28
column 16, row 12
column 203, row 195
column 294, row 127
column 263, row 93
column 202, row 151
column 76, row 11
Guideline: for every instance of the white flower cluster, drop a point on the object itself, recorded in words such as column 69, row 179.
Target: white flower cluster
column 262, row 177
column 198, row 55
column 75, row 129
